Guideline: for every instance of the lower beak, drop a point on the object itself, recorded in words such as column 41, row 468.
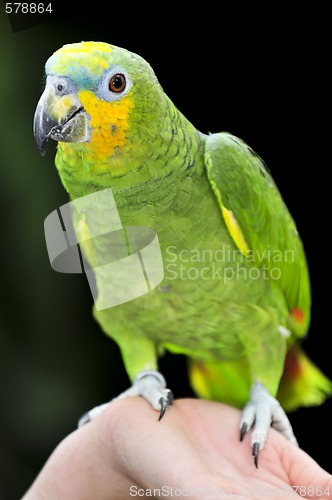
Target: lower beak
column 61, row 118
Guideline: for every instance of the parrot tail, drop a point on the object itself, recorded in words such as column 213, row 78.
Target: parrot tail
column 302, row 383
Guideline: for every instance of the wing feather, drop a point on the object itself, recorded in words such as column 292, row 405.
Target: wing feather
column 258, row 219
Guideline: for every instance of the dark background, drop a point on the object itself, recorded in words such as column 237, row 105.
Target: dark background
column 259, row 76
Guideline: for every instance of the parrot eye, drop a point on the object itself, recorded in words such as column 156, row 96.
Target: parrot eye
column 113, row 85
column 117, row 83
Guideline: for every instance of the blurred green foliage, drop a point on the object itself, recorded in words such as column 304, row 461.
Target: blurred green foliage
column 54, row 361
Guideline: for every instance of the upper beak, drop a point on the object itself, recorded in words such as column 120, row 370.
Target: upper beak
column 60, row 115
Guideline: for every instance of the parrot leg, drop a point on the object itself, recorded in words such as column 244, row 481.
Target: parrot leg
column 150, row 385
column 262, row 411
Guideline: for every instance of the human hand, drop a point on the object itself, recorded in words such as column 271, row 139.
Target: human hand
column 194, row 451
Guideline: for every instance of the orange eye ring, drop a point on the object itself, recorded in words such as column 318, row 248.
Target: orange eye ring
column 117, row 83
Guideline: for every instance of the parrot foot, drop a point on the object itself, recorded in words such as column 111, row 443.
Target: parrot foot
column 148, row 384
column 262, row 411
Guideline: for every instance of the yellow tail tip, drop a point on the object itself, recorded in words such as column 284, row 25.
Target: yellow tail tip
column 302, row 383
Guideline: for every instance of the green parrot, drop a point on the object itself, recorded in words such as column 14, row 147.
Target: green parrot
column 235, row 294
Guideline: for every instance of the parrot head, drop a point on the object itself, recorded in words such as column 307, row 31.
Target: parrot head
column 97, row 98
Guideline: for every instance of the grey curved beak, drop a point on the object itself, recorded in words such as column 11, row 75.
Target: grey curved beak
column 59, row 116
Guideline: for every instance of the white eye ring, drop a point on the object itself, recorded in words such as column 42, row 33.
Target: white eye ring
column 113, row 85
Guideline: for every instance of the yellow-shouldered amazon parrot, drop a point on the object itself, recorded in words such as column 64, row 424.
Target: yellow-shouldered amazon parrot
column 235, row 298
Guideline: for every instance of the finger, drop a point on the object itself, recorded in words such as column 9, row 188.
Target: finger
column 306, row 477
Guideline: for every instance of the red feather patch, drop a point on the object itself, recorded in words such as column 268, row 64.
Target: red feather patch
column 297, row 314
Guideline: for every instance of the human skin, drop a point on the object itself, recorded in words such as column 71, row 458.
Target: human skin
column 193, row 451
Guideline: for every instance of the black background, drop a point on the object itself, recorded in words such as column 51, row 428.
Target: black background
column 259, row 75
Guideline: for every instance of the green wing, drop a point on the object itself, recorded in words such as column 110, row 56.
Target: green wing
column 259, row 221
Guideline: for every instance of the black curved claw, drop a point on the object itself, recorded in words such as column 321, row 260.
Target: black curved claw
column 243, row 431
column 85, row 418
column 165, row 403
column 255, row 451
column 170, row 397
column 163, row 408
